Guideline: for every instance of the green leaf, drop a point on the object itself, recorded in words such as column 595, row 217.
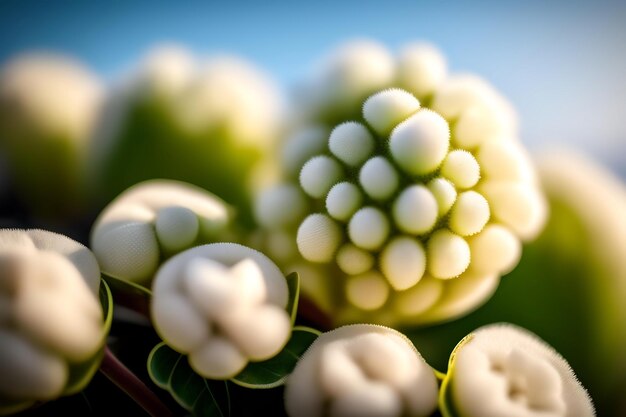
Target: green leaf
column 171, row 371
column 293, row 284
column 273, row 372
column 81, row 374
column 128, row 286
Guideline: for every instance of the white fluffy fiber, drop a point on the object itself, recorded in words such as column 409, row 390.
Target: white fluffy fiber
column 506, row 370
column 363, row 370
column 224, row 305
column 125, row 237
column 50, row 315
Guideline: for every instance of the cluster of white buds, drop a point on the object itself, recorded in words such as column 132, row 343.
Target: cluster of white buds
column 50, row 315
column 223, row 304
column 361, row 370
column 423, row 209
column 502, row 370
column 153, row 220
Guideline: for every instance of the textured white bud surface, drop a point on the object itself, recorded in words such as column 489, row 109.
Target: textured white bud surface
column 444, row 192
column 318, row 238
column 278, row 206
column 50, row 314
column 224, row 305
column 504, row 160
column 343, row 200
column 353, row 260
column 495, row 249
column 379, row 178
column 476, row 125
column 415, row 210
column 361, row 370
column 367, row 291
column 403, row 262
column 368, row 228
column 469, row 214
column 502, row 369
column 125, row 237
column 384, row 110
column 319, row 174
column 420, row 143
column 421, row 69
column 461, row 168
column 351, row 142
column 448, row 254
column 418, row 299
column 301, row 146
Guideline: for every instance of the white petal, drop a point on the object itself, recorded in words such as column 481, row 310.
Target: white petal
column 178, row 323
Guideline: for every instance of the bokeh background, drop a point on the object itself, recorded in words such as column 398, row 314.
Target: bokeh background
column 561, row 63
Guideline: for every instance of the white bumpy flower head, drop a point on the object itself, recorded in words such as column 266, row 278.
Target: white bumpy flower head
column 361, row 370
column 151, row 220
column 50, row 315
column 503, row 370
column 421, row 205
column 224, row 305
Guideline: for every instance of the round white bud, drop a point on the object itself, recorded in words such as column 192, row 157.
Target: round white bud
column 421, row 69
column 448, row 254
column 444, row 192
column 367, row 291
column 351, row 142
column 461, row 168
column 504, row 160
column 403, row 262
column 281, row 205
column 415, row 210
column 378, row 178
column 419, row 298
column 476, row 125
column 494, row 250
column 176, row 228
column 304, row 144
column 385, row 109
column 319, row 174
column 519, row 206
column 368, row 228
column 343, row 200
column 469, row 214
column 353, row 260
column 420, row 143
column 318, row 238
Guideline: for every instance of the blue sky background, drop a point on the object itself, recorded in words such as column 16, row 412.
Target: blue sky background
column 562, row 63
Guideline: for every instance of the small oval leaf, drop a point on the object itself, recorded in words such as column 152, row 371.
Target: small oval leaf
column 171, row 371
column 272, row 372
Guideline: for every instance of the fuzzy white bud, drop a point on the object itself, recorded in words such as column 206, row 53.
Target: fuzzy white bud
column 448, row 254
column 319, row 174
column 384, row 110
column 379, row 178
column 343, row 200
column 353, row 260
column 318, row 238
column 495, row 249
column 368, row 228
column 403, row 262
column 351, row 142
column 367, row 291
column 461, row 168
column 415, row 210
column 421, row 69
column 444, row 192
column 469, row 214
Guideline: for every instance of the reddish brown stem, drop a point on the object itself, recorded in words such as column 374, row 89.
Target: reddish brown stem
column 134, row 387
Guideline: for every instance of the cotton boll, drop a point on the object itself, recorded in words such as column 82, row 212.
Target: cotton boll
column 217, row 359
column 343, row 200
column 384, row 110
column 280, row 205
column 301, row 146
column 318, row 238
column 368, row 291
column 444, row 193
column 378, row 178
column 403, row 262
column 319, row 174
column 421, row 69
column 368, row 228
column 448, row 255
column 176, row 228
column 339, row 372
column 519, row 206
column 419, row 298
column 461, row 169
column 259, row 333
column 420, row 143
column 209, row 286
column 469, row 214
column 353, row 260
column 495, row 249
column 351, row 142
column 415, row 210
column 177, row 321
column 373, row 400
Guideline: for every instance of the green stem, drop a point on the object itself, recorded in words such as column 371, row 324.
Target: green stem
column 128, row 382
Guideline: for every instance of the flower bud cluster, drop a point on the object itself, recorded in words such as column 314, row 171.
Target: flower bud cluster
column 50, row 315
column 224, row 305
